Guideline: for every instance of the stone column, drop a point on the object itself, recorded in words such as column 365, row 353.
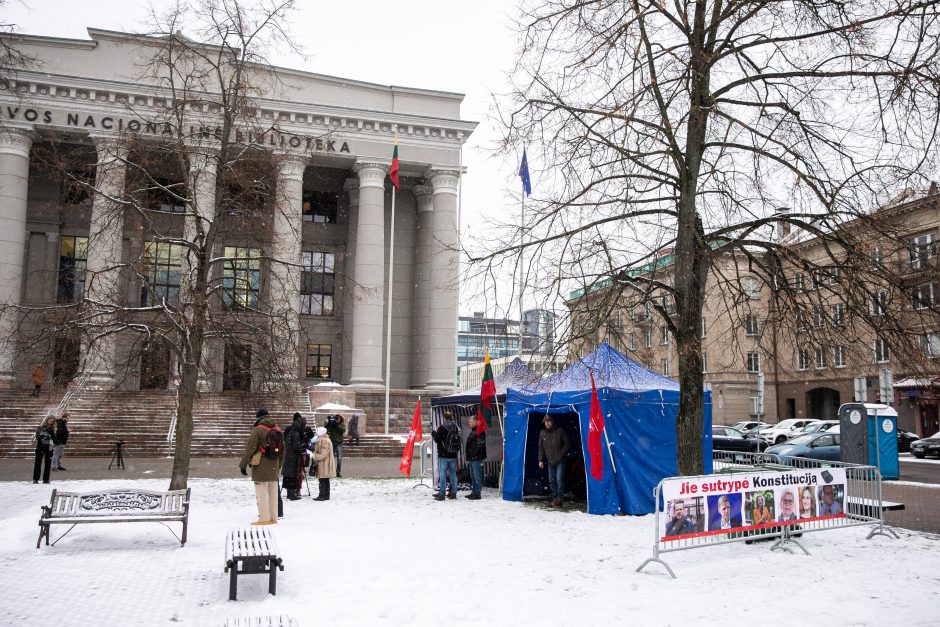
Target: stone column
column 422, row 285
column 284, row 276
column 14, row 182
column 369, row 289
column 444, row 276
column 349, row 280
column 102, row 278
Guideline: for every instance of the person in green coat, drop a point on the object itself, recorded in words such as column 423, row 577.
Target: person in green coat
column 265, row 472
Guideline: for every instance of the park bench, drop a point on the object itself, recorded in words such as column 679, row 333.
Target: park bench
column 262, row 621
column 114, row 506
column 251, row 551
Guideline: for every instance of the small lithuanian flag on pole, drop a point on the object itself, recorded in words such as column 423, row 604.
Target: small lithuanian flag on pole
column 393, row 172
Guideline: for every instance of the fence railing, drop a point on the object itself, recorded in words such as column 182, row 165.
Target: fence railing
column 860, row 506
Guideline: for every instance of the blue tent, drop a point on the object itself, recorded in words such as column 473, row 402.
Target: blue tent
column 639, row 408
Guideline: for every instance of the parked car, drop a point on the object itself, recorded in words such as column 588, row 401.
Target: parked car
column 783, row 430
column 748, row 426
column 730, row 439
column 927, row 446
column 905, row 439
column 818, row 427
column 824, row 446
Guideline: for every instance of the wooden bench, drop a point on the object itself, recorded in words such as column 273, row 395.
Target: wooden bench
column 255, row 550
column 114, row 506
column 262, row 621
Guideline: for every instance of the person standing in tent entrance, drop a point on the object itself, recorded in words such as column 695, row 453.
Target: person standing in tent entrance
column 447, row 438
column 476, row 454
column 553, row 447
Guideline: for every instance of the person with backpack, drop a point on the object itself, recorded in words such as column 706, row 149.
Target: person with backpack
column 45, row 435
column 264, row 451
column 326, row 463
column 447, row 438
column 476, row 455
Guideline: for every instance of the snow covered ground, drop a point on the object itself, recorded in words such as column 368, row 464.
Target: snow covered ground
column 383, row 553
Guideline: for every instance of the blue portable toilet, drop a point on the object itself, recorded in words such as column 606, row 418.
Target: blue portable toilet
column 869, row 436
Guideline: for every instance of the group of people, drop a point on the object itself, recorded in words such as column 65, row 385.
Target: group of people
column 291, row 454
column 51, row 438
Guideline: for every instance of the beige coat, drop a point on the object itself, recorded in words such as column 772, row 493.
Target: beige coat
column 323, row 455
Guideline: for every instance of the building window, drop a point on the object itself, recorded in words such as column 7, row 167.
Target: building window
column 838, row 356
column 798, row 281
column 882, row 353
column 633, row 340
column 802, row 359
column 819, row 358
column 921, row 249
column 753, row 362
column 750, row 325
column 704, row 327
column 922, row 296
column 835, row 274
column 931, row 345
column 166, row 195
column 241, row 277
column 316, row 284
column 704, row 362
column 663, row 335
column 664, row 363
column 648, row 337
column 878, row 304
column 751, row 287
column 819, row 317
column 320, row 207
column 838, row 314
column 78, row 185
column 161, row 272
column 319, row 361
column 73, row 258
column 640, row 313
column 876, row 259
column 815, row 278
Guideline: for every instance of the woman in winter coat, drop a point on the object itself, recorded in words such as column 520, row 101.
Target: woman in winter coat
column 294, row 446
column 44, row 445
column 326, row 464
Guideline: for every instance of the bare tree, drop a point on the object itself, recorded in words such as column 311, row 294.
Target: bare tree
column 692, row 129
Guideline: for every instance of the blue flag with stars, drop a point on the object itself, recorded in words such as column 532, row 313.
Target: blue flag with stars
column 524, row 174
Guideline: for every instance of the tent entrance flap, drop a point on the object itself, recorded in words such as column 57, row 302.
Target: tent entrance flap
column 535, row 479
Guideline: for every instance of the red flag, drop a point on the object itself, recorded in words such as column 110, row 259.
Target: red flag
column 595, row 430
column 393, row 172
column 487, row 397
column 415, row 435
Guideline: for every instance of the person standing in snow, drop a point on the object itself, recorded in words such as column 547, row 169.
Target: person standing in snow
column 476, row 454
column 447, row 438
column 265, row 461
column 553, row 447
column 326, row 463
column 294, row 447
column 60, row 439
column 336, row 428
column 44, row 443
column 354, row 430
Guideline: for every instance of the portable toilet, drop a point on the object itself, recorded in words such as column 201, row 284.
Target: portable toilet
column 869, row 436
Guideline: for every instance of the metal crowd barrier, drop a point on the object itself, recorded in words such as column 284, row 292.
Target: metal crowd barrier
column 424, row 453
column 862, row 505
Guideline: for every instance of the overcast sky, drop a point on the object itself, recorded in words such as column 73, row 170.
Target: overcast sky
column 463, row 47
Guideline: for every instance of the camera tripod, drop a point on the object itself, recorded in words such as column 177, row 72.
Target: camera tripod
column 117, row 456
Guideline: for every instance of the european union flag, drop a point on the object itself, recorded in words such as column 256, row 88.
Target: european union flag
column 524, row 174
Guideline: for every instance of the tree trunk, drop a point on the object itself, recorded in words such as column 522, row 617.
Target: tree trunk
column 189, row 379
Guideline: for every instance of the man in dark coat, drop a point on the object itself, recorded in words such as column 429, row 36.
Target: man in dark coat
column 476, row 454
column 44, row 444
column 448, row 447
column 553, row 447
column 294, row 446
column 263, row 473
column 60, row 439
column 336, row 429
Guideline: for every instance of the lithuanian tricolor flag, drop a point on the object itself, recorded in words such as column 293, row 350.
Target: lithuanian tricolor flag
column 487, row 397
column 393, row 173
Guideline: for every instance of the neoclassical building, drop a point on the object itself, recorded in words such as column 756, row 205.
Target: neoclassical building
column 321, row 231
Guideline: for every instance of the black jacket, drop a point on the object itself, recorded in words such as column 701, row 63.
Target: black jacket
column 44, row 437
column 61, row 432
column 335, row 431
column 553, row 445
column 440, row 438
column 476, row 447
column 294, row 446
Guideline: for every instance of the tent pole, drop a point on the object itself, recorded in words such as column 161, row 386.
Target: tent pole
column 502, row 432
column 609, row 452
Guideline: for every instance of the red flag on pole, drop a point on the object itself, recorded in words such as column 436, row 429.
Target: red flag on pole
column 415, row 435
column 393, row 171
column 595, row 429
column 487, row 397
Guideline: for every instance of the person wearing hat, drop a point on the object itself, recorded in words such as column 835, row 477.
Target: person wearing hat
column 294, row 446
column 553, row 447
column 265, row 465
column 45, row 435
column 326, row 463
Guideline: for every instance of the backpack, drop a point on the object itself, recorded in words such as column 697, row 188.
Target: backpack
column 273, row 443
column 452, row 440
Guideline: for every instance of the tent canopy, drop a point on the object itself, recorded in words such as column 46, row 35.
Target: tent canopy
column 517, row 374
column 639, row 408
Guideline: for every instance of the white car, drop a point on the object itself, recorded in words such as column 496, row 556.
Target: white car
column 819, row 426
column 784, row 430
column 747, row 426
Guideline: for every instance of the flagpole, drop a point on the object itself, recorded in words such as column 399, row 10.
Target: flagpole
column 388, row 334
column 521, row 253
column 502, row 432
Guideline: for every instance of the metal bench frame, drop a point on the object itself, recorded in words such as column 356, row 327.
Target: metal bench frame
column 255, row 549
column 114, row 506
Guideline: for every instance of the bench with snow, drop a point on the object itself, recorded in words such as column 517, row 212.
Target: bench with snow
column 114, row 506
column 262, row 621
column 255, row 550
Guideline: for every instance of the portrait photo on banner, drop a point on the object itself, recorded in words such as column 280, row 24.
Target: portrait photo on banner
column 787, row 500
column 684, row 516
column 831, row 499
column 807, row 496
column 759, row 507
column 724, row 511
